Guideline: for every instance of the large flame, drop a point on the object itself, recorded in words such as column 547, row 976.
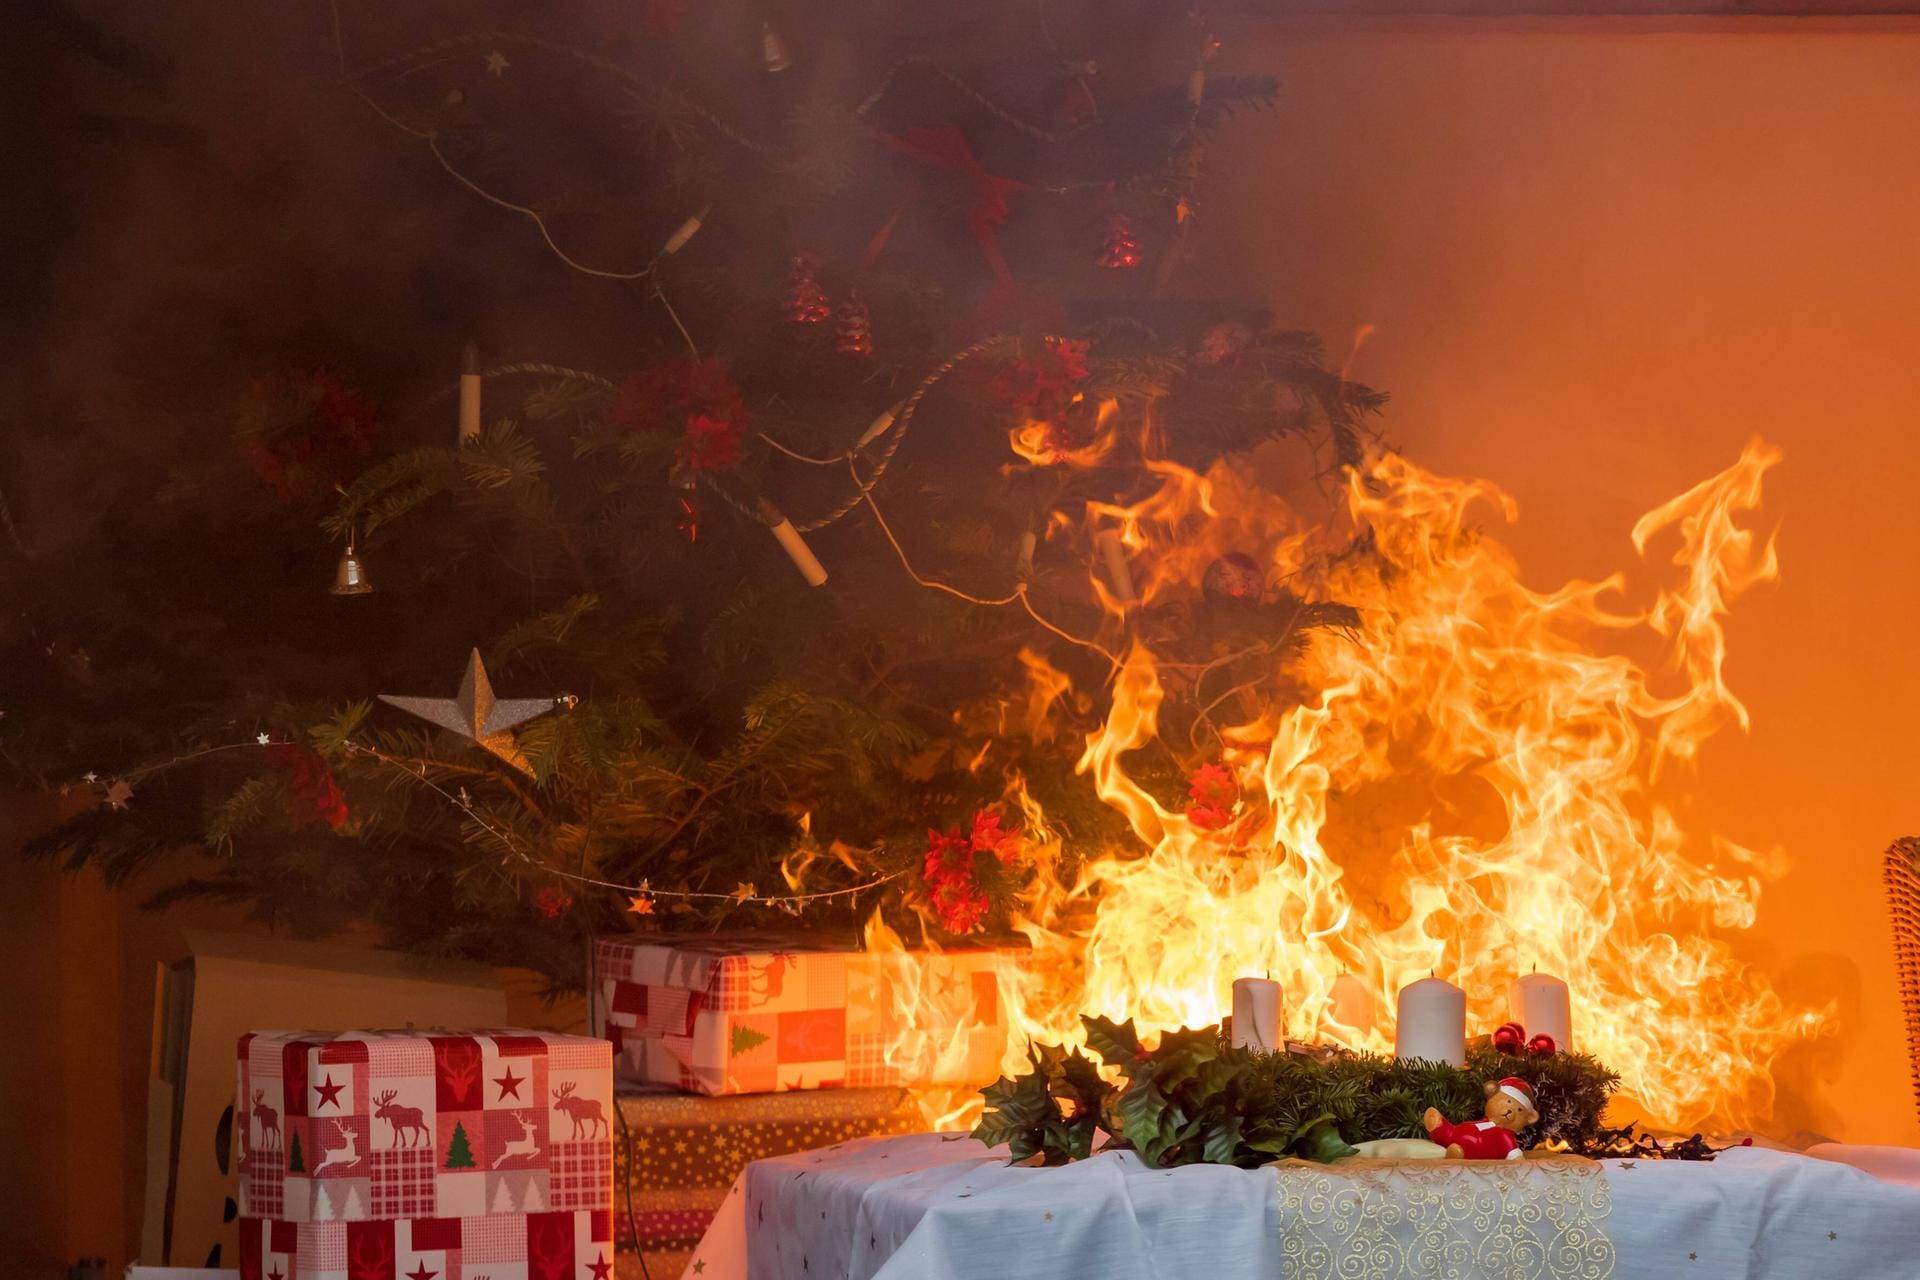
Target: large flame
column 1463, row 783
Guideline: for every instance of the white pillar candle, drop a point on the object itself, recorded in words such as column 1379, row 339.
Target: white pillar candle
column 1432, row 1022
column 1350, row 1003
column 1541, row 1004
column 470, row 395
column 1257, row 1021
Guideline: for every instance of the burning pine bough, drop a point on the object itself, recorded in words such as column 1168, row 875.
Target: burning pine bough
column 1532, row 747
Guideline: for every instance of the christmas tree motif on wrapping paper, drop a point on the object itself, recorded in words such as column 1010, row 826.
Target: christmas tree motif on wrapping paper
column 296, row 1163
column 322, row 1204
column 459, row 1151
column 355, row 1209
column 502, row 1198
column 746, row 1040
column 534, row 1201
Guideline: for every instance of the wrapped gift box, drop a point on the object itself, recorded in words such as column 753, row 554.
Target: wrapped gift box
column 442, row 1125
column 498, row 1246
column 757, row 1013
column 678, row 1153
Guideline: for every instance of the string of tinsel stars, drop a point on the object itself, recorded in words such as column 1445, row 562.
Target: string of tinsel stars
column 118, row 792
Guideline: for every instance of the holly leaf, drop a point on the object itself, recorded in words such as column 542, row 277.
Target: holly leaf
column 1117, row 1043
column 1015, row 1110
column 1223, row 1140
column 1321, row 1141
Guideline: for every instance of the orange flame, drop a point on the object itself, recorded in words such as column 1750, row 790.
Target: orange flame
column 1463, row 783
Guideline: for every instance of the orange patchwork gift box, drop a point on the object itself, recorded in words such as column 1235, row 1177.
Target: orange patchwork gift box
column 720, row 1014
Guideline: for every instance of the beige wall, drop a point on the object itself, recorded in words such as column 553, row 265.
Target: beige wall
column 1600, row 258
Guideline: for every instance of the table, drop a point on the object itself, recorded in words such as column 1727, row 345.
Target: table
column 942, row 1207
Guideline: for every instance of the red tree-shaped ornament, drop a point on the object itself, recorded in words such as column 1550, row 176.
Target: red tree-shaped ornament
column 806, row 300
column 1120, row 251
column 853, row 331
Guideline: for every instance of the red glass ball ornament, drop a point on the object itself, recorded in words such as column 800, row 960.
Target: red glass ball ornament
column 1542, row 1045
column 1510, row 1037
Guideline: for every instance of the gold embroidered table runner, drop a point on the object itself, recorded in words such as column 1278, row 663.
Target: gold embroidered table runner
column 1445, row 1220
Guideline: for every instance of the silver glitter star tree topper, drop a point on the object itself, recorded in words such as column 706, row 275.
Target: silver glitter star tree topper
column 475, row 713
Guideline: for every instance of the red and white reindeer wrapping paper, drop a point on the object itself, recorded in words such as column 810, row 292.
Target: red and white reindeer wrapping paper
column 496, row 1246
column 443, row 1125
column 758, row 1013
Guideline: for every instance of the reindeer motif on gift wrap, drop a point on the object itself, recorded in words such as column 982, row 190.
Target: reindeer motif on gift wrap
column 767, row 981
column 403, row 1119
column 547, row 1251
column 344, row 1155
column 460, row 1070
column 269, row 1119
column 526, row 1145
column 376, row 1262
column 584, row 1112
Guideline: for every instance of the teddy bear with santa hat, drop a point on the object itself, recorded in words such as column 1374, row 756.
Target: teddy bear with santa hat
column 1510, row 1108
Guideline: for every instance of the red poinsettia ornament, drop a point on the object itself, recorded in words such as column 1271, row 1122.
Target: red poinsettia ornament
column 304, row 433
column 694, row 398
column 952, row 871
column 1213, row 793
column 314, row 797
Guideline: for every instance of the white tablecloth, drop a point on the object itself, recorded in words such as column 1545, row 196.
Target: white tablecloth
column 933, row 1207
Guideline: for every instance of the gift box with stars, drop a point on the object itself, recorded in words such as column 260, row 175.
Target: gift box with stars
column 574, row 1245
column 762, row 1013
column 360, row 1126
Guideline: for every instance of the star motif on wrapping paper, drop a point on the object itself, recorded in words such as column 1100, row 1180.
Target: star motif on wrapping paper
column 1629, row 1164
column 328, row 1092
column 119, row 793
column 475, row 713
column 1833, row 1235
column 599, row 1267
column 509, row 1083
column 1693, row 1257
column 699, row 1265
column 1049, row 1215
column 420, row 1272
column 497, row 63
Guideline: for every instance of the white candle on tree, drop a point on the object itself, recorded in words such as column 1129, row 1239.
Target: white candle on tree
column 1542, row 1005
column 1257, row 1020
column 1432, row 1022
column 470, row 394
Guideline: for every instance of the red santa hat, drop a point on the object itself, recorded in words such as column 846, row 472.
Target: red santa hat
column 1520, row 1091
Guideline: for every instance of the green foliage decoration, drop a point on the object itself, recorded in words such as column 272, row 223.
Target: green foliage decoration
column 1194, row 1099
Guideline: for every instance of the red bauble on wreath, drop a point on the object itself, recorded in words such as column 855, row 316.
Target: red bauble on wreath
column 1542, row 1045
column 1510, row 1037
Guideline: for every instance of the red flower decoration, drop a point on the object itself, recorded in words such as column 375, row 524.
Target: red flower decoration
column 695, row 398
column 951, row 869
column 1214, row 794
column 304, row 433
column 1039, row 385
column 987, row 837
column 551, row 902
column 317, row 796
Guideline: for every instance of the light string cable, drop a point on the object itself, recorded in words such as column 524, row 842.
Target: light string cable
column 417, row 772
